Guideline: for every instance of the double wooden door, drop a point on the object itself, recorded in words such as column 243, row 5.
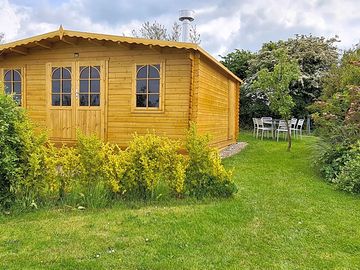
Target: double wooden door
column 76, row 99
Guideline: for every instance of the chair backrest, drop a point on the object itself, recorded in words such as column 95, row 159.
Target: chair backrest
column 259, row 122
column 254, row 122
column 282, row 124
column 293, row 122
column 266, row 120
column 300, row 123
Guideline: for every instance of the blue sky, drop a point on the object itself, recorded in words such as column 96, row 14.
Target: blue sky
column 223, row 25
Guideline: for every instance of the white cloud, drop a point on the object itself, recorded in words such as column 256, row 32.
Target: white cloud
column 223, row 24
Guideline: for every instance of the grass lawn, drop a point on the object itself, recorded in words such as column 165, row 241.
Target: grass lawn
column 283, row 217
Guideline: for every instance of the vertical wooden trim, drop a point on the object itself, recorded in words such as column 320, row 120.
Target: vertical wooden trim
column 237, row 116
column 2, row 87
column 194, row 88
column 23, row 87
column 106, row 99
column 48, row 93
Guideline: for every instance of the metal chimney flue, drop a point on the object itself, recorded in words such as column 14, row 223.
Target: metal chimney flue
column 186, row 16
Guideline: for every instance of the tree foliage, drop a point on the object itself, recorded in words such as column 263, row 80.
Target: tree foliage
column 158, row 31
column 315, row 56
column 276, row 84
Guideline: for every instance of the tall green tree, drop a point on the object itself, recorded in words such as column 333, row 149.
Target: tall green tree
column 276, row 84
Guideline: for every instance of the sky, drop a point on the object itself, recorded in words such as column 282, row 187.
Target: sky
column 224, row 25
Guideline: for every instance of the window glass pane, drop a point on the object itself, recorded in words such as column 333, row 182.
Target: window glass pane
column 56, row 86
column 66, row 86
column 84, row 100
column 154, row 86
column 17, row 87
column 66, row 73
column 95, row 100
column 141, row 101
column 153, row 100
column 17, row 99
column 16, row 76
column 7, row 76
column 56, row 73
column 141, row 86
column 95, row 86
column 95, row 72
column 153, row 72
column 84, row 72
column 141, row 71
column 7, row 86
column 55, row 100
column 84, row 86
column 66, row 100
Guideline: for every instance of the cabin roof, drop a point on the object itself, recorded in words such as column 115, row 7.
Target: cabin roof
column 21, row 46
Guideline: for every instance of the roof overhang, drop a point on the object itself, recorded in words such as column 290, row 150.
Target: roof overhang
column 71, row 37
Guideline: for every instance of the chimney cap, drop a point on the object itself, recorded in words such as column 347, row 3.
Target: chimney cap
column 186, row 14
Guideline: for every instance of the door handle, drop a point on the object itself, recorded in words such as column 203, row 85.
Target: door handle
column 76, row 94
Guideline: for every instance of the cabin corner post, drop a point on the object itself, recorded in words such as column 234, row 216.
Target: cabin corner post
column 194, row 87
column 237, row 116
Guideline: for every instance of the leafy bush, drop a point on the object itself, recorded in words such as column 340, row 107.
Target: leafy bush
column 152, row 161
column 349, row 177
column 205, row 175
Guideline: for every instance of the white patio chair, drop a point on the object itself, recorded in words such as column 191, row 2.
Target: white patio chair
column 282, row 128
column 298, row 128
column 268, row 122
column 293, row 123
column 255, row 126
column 263, row 128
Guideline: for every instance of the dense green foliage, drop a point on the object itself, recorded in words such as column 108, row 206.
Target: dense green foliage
column 205, row 174
column 35, row 173
column 283, row 217
column 337, row 117
column 276, row 83
column 315, row 56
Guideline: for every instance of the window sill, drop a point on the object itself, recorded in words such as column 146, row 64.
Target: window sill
column 147, row 111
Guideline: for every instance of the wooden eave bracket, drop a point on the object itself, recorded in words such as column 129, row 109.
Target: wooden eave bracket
column 69, row 40
column 155, row 48
column 125, row 45
column 44, row 44
column 96, row 42
column 19, row 50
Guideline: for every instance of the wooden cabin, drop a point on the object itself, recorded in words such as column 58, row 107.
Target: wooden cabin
column 114, row 86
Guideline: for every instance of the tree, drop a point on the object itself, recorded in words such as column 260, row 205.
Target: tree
column 159, row 31
column 276, row 84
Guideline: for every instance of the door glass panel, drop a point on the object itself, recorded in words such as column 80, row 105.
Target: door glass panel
column 66, row 100
column 55, row 101
column 84, row 72
column 61, row 86
column 141, row 86
column 17, row 77
column 94, row 100
column 153, row 72
column 66, row 86
column 84, row 100
column 95, row 72
column 17, row 99
column 141, row 72
column 95, row 86
column 84, row 86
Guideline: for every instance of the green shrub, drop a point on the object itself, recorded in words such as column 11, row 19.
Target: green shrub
column 152, row 162
column 205, row 174
column 349, row 177
column 10, row 147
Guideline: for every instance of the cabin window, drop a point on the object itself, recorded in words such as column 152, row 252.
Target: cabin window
column 61, row 86
column 12, row 84
column 89, row 86
column 148, row 86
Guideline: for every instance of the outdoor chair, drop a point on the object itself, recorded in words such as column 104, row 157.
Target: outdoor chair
column 293, row 123
column 268, row 122
column 282, row 128
column 263, row 128
column 298, row 128
column 255, row 126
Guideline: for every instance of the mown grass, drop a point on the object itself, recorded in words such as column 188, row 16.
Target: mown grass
column 283, row 217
